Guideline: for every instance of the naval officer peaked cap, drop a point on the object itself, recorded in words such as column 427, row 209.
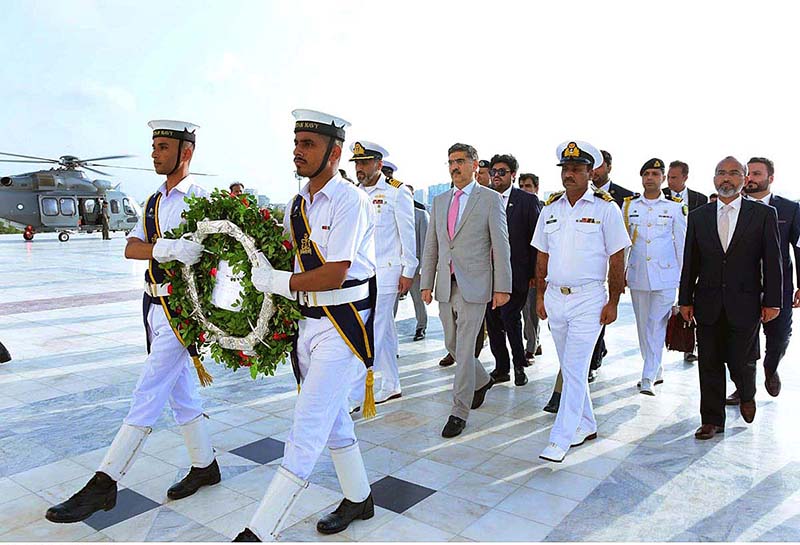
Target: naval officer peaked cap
column 168, row 128
column 652, row 163
column 320, row 123
column 363, row 150
column 390, row 165
column 576, row 151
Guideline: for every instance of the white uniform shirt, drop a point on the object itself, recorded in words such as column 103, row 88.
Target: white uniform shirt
column 658, row 230
column 170, row 207
column 579, row 239
column 395, row 243
column 342, row 225
column 733, row 215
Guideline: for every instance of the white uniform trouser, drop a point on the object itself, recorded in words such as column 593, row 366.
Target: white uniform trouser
column 168, row 376
column 386, row 344
column 652, row 310
column 575, row 327
column 321, row 414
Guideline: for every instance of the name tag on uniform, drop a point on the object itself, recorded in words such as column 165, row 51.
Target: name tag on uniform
column 634, row 216
column 551, row 220
column 587, row 220
column 666, row 216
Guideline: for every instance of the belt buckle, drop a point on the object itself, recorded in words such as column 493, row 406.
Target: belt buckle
column 565, row 290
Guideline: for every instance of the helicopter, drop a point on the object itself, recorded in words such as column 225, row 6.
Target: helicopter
column 63, row 199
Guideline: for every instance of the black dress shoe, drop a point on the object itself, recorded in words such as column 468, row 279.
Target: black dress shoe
column 454, row 426
column 528, row 355
column 592, row 375
column 554, row 403
column 447, row 361
column 538, row 351
column 480, row 394
column 247, row 535
column 420, row 334
column 196, row 479
column 733, row 399
column 689, row 356
column 773, row 384
column 99, row 493
column 520, row 379
column 499, row 377
column 346, row 513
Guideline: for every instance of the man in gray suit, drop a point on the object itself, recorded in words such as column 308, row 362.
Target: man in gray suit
column 421, row 228
column 468, row 256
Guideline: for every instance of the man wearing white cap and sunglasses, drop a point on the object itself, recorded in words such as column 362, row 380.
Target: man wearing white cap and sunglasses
column 580, row 235
column 166, row 376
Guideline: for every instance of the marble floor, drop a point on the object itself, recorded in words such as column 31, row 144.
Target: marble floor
column 70, row 315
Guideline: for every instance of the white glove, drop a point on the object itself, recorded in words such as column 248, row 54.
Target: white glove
column 180, row 249
column 268, row 280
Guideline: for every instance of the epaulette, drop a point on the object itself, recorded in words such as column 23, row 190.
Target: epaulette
column 394, row 183
column 676, row 199
column 605, row 195
column 631, row 197
column 553, row 197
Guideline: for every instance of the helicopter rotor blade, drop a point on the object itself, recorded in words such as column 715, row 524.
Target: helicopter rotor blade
column 21, row 161
column 97, row 171
column 82, row 161
column 45, row 159
column 117, row 166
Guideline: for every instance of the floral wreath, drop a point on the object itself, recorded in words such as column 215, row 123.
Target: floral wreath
column 259, row 333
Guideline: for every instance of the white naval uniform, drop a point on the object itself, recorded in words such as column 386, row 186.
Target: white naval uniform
column 395, row 252
column 658, row 231
column 578, row 240
column 341, row 222
column 168, row 374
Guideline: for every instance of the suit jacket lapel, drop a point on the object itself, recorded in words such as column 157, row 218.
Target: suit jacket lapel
column 742, row 222
column 473, row 198
column 714, row 226
column 512, row 204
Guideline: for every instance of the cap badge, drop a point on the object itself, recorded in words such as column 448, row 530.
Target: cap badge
column 572, row 150
column 358, row 149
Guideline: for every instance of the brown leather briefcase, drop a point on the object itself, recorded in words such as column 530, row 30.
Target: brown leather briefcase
column 680, row 333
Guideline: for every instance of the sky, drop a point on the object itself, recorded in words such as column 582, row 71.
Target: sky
column 689, row 80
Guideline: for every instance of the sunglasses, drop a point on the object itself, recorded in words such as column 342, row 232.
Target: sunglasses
column 498, row 172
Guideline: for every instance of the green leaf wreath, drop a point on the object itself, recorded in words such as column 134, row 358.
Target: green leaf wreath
column 270, row 238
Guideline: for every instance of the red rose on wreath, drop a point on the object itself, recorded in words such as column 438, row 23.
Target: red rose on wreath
column 202, row 336
column 244, row 359
column 265, row 213
column 287, row 245
column 244, row 201
column 169, row 289
column 213, row 272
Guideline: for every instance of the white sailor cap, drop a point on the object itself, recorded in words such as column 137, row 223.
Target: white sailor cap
column 169, row 128
column 388, row 164
column 576, row 151
column 320, row 123
column 363, row 150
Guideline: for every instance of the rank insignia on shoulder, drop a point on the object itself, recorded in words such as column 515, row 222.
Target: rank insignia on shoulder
column 632, row 197
column 603, row 195
column 588, row 220
column 394, row 183
column 554, row 197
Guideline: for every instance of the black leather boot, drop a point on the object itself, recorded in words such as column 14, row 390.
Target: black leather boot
column 247, row 535
column 99, row 493
column 554, row 403
column 194, row 481
column 346, row 513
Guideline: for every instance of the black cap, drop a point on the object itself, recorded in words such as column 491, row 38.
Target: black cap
column 483, row 163
column 652, row 163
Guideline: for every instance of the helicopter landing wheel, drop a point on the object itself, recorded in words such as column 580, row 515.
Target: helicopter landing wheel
column 63, row 236
column 27, row 235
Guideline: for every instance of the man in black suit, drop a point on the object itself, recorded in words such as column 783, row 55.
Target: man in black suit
column 522, row 213
column 730, row 282
column 677, row 175
column 601, row 180
column 760, row 174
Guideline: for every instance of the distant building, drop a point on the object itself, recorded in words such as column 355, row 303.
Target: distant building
column 434, row 190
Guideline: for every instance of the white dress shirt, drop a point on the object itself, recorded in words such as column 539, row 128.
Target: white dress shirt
column 733, row 215
column 506, row 195
column 579, row 239
column 170, row 207
column 342, row 224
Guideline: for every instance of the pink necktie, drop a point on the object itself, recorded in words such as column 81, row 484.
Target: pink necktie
column 452, row 218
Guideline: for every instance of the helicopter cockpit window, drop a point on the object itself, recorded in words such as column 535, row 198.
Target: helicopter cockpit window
column 88, row 205
column 114, row 206
column 126, row 205
column 67, row 207
column 49, row 207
